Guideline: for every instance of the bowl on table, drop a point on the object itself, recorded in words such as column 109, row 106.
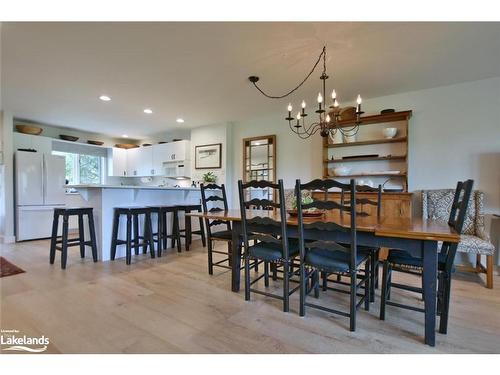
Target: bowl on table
column 390, row 132
column 311, row 212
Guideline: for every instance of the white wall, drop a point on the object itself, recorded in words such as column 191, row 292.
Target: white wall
column 454, row 134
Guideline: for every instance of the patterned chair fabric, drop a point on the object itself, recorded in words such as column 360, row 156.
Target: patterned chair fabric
column 290, row 197
column 436, row 205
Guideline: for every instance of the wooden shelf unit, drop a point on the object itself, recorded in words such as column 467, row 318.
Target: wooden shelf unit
column 370, row 142
column 369, row 158
column 402, row 116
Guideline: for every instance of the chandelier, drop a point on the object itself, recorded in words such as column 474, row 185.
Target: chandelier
column 328, row 123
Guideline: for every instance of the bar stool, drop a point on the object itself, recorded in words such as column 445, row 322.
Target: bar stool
column 68, row 242
column 161, row 235
column 133, row 213
column 188, row 232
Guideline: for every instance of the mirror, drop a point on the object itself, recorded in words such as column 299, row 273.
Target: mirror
column 259, row 162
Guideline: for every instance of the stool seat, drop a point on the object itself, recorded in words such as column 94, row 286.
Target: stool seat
column 66, row 242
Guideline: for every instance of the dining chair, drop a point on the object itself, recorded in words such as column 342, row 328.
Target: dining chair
column 401, row 261
column 213, row 197
column 269, row 233
column 436, row 204
column 362, row 203
column 328, row 256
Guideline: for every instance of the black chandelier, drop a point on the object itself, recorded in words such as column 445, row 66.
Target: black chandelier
column 328, row 123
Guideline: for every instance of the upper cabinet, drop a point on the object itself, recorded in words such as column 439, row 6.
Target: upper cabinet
column 117, row 162
column 32, row 142
column 147, row 161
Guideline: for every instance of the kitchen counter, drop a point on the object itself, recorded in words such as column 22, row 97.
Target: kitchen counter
column 105, row 198
column 146, row 187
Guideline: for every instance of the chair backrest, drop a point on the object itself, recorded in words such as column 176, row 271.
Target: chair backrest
column 320, row 224
column 212, row 197
column 264, row 228
column 375, row 201
column 456, row 220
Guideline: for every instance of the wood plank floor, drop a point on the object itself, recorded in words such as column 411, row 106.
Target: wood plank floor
column 172, row 305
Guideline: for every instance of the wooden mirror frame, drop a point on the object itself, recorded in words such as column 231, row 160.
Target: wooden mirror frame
column 271, row 139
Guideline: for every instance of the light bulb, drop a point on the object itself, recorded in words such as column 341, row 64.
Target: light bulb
column 359, row 99
column 320, row 98
column 303, row 104
column 327, row 118
column 298, row 116
column 290, row 107
column 335, row 103
column 334, row 94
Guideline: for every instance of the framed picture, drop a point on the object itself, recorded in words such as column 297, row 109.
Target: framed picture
column 208, row 156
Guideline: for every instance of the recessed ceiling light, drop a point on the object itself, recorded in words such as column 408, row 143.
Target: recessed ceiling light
column 148, row 111
column 180, row 120
column 105, row 98
column 125, row 136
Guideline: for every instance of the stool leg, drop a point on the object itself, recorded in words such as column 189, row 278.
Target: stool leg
column 114, row 235
column 210, row 257
column 164, row 229
column 144, row 236
column 64, row 252
column 177, row 232
column 128, row 258
column 202, row 232
column 148, row 235
column 53, row 239
column 81, row 235
column 92, row 236
column 136, row 234
column 187, row 226
column 160, row 233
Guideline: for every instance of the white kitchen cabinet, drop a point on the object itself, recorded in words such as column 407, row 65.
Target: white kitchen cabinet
column 133, row 162
column 145, row 161
column 161, row 154
column 180, row 151
column 117, row 162
column 35, row 142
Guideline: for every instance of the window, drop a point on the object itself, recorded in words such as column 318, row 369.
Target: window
column 82, row 169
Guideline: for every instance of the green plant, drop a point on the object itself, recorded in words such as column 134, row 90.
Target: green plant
column 305, row 200
column 209, row 177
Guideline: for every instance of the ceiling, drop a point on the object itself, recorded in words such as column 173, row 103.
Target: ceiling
column 55, row 72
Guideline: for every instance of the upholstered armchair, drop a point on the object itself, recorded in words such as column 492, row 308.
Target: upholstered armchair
column 436, row 204
column 290, row 197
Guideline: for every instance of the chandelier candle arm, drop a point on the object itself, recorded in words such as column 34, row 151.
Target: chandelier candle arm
column 326, row 124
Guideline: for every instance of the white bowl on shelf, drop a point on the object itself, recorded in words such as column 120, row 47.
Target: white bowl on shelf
column 341, row 170
column 390, row 132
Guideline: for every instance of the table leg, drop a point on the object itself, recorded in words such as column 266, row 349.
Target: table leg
column 236, row 257
column 429, row 249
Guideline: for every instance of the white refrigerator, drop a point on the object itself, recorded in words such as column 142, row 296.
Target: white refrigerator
column 40, row 187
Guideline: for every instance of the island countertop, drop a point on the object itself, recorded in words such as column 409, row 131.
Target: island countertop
column 149, row 187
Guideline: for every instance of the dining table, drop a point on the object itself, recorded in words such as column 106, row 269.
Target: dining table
column 416, row 235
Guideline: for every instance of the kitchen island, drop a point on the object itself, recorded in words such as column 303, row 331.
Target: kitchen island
column 104, row 198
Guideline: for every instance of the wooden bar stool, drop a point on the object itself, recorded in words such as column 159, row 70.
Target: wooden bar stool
column 188, row 232
column 132, row 214
column 161, row 235
column 68, row 242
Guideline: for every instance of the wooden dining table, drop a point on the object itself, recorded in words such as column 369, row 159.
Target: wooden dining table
column 416, row 235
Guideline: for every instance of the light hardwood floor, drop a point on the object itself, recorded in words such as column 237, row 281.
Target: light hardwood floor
column 172, row 305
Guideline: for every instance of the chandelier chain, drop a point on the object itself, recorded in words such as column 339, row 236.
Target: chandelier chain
column 322, row 54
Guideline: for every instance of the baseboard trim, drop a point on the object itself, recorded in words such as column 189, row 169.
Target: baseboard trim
column 7, row 239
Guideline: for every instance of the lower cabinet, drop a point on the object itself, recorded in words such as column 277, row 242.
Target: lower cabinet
column 395, row 205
